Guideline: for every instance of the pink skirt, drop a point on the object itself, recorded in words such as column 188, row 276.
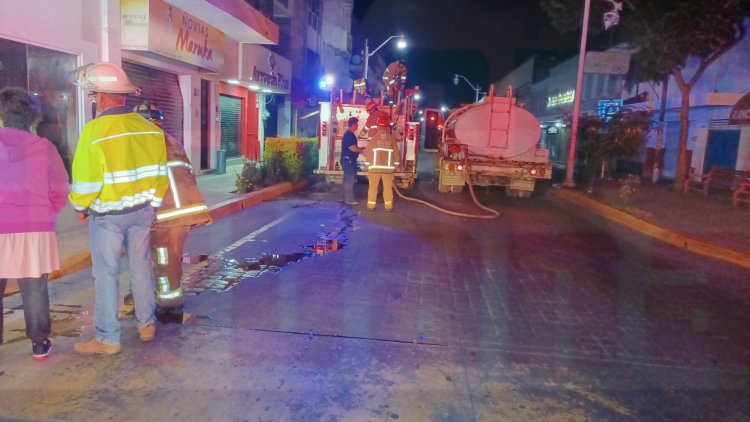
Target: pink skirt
column 24, row 255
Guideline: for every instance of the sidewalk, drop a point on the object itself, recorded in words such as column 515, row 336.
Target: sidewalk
column 707, row 225
column 73, row 239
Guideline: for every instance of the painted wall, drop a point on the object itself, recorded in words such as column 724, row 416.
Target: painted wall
column 729, row 74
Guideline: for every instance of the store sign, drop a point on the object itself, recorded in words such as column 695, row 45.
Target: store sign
column 607, row 63
column 263, row 67
column 608, row 108
column 561, row 98
column 158, row 27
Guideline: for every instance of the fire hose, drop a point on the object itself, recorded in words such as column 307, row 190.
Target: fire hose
column 493, row 213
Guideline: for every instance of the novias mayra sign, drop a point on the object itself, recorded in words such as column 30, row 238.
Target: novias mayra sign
column 158, row 27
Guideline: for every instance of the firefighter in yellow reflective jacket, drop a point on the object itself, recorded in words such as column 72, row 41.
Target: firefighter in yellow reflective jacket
column 119, row 178
column 182, row 208
column 382, row 158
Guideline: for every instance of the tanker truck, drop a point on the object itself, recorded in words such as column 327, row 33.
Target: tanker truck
column 492, row 142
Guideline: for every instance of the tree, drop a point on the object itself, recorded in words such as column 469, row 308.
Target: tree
column 601, row 142
column 665, row 34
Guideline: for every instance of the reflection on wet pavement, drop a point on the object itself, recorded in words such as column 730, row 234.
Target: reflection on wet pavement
column 219, row 273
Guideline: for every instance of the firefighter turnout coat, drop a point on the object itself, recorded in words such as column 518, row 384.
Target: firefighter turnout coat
column 183, row 203
column 120, row 163
column 182, row 208
column 382, row 154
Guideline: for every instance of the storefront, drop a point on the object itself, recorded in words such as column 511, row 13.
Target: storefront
column 43, row 72
column 175, row 58
column 178, row 51
column 267, row 76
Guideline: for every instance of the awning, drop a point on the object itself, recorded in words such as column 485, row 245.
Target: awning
column 740, row 114
column 235, row 18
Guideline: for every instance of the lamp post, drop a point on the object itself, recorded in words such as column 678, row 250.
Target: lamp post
column 477, row 89
column 611, row 19
column 570, row 168
column 401, row 44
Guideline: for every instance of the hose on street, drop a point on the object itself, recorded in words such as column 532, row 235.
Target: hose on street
column 493, row 213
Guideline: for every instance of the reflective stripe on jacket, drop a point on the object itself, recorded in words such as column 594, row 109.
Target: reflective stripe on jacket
column 382, row 153
column 183, row 203
column 120, row 163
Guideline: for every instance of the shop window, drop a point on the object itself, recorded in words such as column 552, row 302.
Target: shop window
column 44, row 73
column 314, row 14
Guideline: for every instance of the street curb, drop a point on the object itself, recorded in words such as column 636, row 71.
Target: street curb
column 665, row 235
column 82, row 259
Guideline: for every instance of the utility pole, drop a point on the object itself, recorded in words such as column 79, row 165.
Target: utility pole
column 570, row 168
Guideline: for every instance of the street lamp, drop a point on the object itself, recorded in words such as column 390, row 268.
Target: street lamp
column 611, row 18
column 400, row 44
column 477, row 89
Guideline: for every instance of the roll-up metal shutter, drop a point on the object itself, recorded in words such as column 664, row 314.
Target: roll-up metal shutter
column 230, row 124
column 160, row 88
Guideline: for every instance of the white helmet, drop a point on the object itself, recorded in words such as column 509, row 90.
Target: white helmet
column 103, row 77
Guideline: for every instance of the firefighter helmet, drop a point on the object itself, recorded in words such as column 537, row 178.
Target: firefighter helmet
column 103, row 77
column 371, row 106
column 150, row 112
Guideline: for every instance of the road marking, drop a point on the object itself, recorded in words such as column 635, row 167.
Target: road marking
column 193, row 269
column 249, row 237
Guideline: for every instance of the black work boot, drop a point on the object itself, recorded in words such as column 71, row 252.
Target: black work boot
column 41, row 349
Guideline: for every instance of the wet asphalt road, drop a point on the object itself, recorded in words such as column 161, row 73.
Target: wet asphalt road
column 543, row 314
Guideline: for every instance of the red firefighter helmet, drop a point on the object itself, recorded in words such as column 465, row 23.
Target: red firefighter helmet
column 371, row 106
column 383, row 120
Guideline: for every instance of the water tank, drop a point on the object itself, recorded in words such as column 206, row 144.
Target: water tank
column 495, row 127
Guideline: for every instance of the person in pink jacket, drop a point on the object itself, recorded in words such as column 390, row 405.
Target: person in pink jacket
column 33, row 189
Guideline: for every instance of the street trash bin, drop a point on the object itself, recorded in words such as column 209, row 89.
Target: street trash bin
column 221, row 161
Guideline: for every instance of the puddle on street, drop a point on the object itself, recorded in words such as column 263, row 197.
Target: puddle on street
column 221, row 274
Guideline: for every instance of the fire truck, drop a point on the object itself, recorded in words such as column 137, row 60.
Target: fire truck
column 399, row 104
column 492, row 142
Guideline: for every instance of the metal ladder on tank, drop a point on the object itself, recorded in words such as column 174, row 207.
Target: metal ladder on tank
column 497, row 109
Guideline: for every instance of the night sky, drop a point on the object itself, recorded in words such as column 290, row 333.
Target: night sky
column 480, row 39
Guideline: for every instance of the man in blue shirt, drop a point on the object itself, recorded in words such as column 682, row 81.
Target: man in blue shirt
column 349, row 154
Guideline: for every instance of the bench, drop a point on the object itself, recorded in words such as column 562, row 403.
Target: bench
column 741, row 194
column 716, row 178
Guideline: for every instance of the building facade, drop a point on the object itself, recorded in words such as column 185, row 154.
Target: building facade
column 316, row 36
column 551, row 98
column 204, row 63
column 713, row 138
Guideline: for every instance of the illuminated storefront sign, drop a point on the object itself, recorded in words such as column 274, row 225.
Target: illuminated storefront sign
column 561, row 98
column 266, row 69
column 608, row 108
column 158, row 27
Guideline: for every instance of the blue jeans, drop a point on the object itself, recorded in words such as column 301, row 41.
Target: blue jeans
column 35, row 307
column 350, row 176
column 108, row 234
